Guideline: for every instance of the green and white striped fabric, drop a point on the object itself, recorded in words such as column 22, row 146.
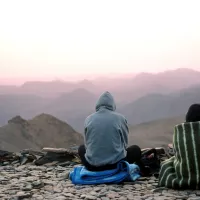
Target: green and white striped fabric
column 182, row 171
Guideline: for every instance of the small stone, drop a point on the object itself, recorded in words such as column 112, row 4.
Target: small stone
column 112, row 195
column 5, row 163
column 158, row 189
column 38, row 197
column 48, row 188
column 57, row 190
column 105, row 198
column 15, row 162
column 149, row 186
column 130, row 197
column 63, row 175
column 28, row 187
column 23, row 195
column 96, row 189
column 122, row 198
column 166, row 194
column 197, row 192
column 83, row 196
column 93, row 193
column 38, row 184
column 90, row 197
column 61, row 198
column 68, row 195
column 137, row 186
column 115, row 189
column 102, row 194
column 12, row 192
column 192, row 195
column 151, row 181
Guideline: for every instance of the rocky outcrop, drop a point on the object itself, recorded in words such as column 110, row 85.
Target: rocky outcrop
column 42, row 130
column 21, row 178
column 48, row 156
column 18, row 120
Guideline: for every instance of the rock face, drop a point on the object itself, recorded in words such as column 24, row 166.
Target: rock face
column 43, row 130
column 18, row 120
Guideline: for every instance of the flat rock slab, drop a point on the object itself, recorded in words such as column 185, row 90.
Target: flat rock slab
column 57, row 154
column 52, row 157
column 59, row 150
column 55, row 150
column 32, row 152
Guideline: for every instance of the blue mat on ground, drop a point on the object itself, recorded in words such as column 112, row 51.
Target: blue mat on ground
column 124, row 172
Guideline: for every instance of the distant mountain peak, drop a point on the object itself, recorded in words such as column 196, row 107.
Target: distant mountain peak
column 48, row 118
column 86, row 84
column 143, row 75
column 44, row 116
column 85, row 81
column 184, row 69
column 80, row 90
column 18, row 120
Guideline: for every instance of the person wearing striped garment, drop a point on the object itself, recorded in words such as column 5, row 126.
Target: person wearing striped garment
column 182, row 171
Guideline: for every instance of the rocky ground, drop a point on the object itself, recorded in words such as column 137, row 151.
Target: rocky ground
column 40, row 175
column 51, row 182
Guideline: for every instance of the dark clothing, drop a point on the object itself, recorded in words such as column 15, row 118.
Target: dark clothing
column 133, row 155
column 193, row 114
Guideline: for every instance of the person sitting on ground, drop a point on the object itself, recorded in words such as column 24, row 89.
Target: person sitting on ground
column 182, row 171
column 106, row 138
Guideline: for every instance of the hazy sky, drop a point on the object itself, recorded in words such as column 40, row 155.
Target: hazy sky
column 58, row 38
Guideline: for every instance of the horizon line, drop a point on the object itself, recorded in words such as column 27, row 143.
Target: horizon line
column 86, row 77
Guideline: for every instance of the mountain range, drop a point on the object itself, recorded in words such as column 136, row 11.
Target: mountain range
column 141, row 98
column 47, row 131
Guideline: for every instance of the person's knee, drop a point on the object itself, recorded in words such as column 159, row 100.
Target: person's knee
column 81, row 150
column 134, row 153
column 135, row 149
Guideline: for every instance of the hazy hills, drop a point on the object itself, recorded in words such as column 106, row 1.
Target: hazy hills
column 135, row 85
column 46, row 130
column 47, row 88
column 141, row 98
column 25, row 105
column 43, row 130
column 162, row 83
column 73, row 107
column 79, row 99
column 154, row 133
column 158, row 106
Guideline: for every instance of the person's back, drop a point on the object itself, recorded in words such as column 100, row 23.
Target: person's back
column 106, row 133
column 106, row 137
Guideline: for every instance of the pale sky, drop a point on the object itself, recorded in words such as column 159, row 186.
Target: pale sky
column 61, row 38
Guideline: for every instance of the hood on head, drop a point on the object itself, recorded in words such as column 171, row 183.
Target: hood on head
column 106, row 100
column 193, row 114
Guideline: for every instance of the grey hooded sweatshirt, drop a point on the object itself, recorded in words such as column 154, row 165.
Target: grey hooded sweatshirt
column 106, row 133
